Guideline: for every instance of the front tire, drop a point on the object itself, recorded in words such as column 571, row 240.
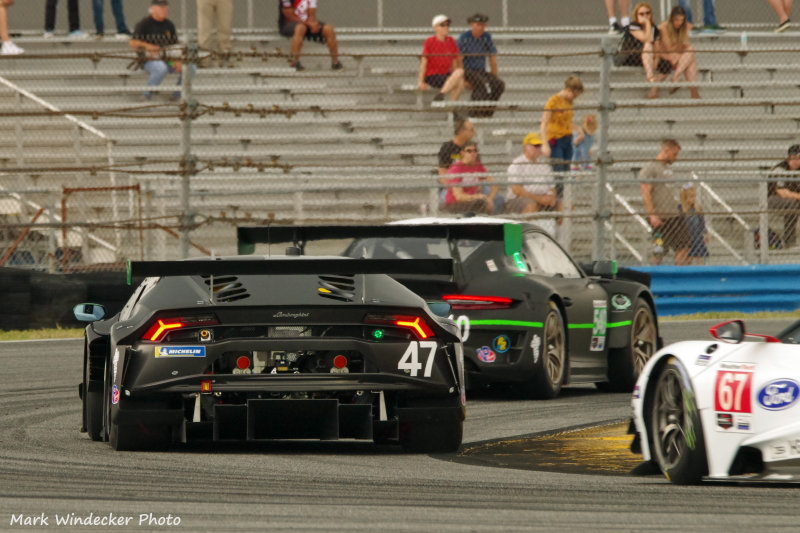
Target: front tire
column 675, row 429
column 626, row 364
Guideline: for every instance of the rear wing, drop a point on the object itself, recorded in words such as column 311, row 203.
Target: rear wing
column 288, row 266
column 249, row 236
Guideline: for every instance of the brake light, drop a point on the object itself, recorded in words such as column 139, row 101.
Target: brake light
column 414, row 323
column 471, row 301
column 161, row 327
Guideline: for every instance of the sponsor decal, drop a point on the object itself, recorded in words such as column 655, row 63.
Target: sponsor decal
column 636, row 392
column 114, row 395
column 180, row 351
column 779, row 394
column 732, row 388
column 599, row 321
column 501, row 344
column 620, row 302
column 491, row 265
column 702, row 360
column 725, row 420
column 114, row 362
column 296, row 314
column 734, row 423
column 789, row 449
column 536, row 343
column 486, row 355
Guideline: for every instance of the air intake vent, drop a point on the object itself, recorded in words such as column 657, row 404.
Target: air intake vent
column 340, row 288
column 227, row 288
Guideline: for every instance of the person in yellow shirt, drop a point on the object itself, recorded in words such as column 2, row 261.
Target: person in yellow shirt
column 556, row 127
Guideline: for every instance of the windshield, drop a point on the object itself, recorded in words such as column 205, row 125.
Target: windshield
column 409, row 248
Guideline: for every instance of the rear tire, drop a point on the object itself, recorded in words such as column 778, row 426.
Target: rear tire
column 551, row 368
column 675, row 429
column 626, row 364
column 431, row 437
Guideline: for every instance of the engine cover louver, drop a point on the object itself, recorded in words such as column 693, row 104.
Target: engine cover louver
column 227, row 288
column 340, row 288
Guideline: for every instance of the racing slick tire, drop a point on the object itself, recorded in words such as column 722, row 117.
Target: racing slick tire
column 441, row 436
column 675, row 429
column 626, row 363
column 551, row 368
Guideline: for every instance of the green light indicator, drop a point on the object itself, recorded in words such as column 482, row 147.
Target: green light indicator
column 520, row 263
column 378, row 334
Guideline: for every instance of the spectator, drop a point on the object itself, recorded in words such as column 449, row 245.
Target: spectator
column 676, row 48
column 613, row 25
column 219, row 15
column 531, row 186
column 119, row 17
column 638, row 47
column 470, row 174
column 695, row 225
column 709, row 18
column 784, row 195
column 556, row 126
column 450, row 151
column 782, row 8
column 476, row 45
column 440, row 65
column 74, row 19
column 152, row 37
column 668, row 226
column 584, row 140
column 298, row 20
column 8, row 48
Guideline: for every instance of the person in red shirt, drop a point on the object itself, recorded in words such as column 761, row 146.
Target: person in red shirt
column 471, row 194
column 440, row 65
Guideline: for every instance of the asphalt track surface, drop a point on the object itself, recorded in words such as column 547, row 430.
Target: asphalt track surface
column 48, row 469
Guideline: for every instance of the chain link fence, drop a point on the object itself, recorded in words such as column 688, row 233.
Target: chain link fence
column 92, row 174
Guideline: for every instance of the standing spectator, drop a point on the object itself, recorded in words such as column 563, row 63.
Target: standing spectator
column 440, row 65
column 613, row 25
column 676, row 48
column 638, row 47
column 709, row 18
column 217, row 14
column 298, row 20
column 531, row 183
column 119, row 17
column 556, row 126
column 695, row 225
column 784, row 195
column 151, row 38
column 74, row 19
column 783, row 8
column 584, row 140
column 8, row 48
column 470, row 175
column 658, row 194
column 476, row 45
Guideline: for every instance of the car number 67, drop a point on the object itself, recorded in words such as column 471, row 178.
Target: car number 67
column 410, row 360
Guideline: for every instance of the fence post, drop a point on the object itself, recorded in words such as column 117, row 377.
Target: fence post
column 602, row 213
column 188, row 162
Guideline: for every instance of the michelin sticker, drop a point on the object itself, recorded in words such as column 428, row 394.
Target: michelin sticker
column 114, row 362
column 536, row 342
column 599, row 321
column 180, row 351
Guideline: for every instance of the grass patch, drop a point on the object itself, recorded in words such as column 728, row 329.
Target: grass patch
column 39, row 334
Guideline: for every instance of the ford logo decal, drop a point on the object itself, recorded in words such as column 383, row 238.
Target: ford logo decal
column 779, row 394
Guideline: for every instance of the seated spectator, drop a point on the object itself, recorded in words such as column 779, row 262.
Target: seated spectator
column 476, row 45
column 532, row 188
column 676, row 48
column 152, row 38
column 470, row 174
column 638, row 47
column 8, row 48
column 583, row 137
column 440, row 65
column 783, row 195
column 298, row 20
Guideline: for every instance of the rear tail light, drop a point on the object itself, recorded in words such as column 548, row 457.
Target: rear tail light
column 471, row 301
column 415, row 324
column 162, row 326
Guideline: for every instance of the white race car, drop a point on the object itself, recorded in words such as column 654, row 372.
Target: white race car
column 722, row 409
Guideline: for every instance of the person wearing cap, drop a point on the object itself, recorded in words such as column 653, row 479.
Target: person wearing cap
column 217, row 14
column 556, row 126
column 783, row 195
column 476, row 45
column 152, row 37
column 297, row 19
column 440, row 65
column 531, row 186
column 469, row 181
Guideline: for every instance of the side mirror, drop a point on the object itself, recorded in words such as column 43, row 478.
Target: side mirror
column 731, row 331
column 441, row 309
column 89, row 312
column 605, row 269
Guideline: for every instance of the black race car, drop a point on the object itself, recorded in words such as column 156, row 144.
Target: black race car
column 284, row 348
column 527, row 313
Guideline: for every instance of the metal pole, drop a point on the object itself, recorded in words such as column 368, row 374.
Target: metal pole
column 602, row 213
column 188, row 160
column 505, row 13
column 250, row 15
column 380, row 14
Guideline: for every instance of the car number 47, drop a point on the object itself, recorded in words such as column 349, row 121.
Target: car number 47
column 410, row 361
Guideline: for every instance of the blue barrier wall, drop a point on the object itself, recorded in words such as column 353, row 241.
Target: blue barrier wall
column 698, row 289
